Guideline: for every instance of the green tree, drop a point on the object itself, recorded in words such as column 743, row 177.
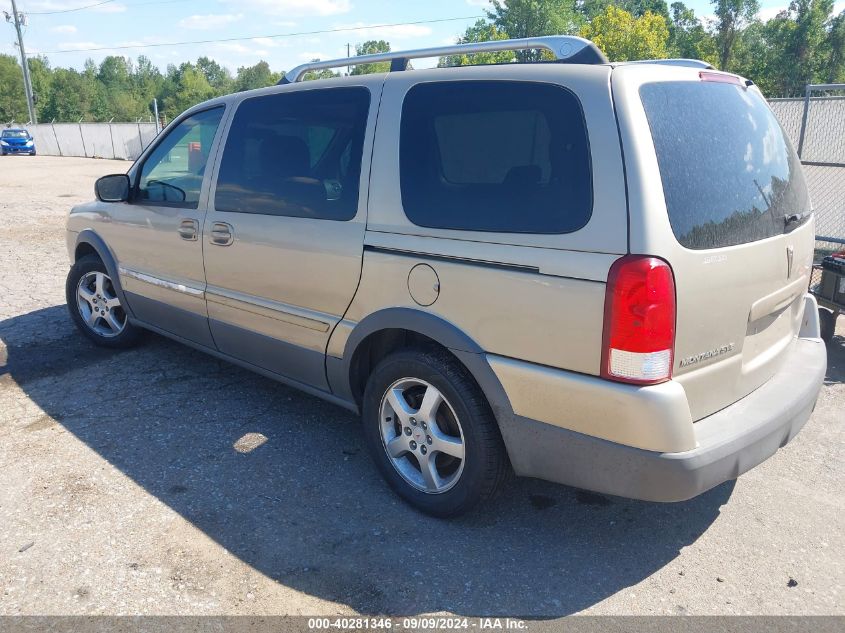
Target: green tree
column 732, row 16
column 687, row 36
column 639, row 8
column 624, row 37
column 833, row 60
column 218, row 76
column 481, row 31
column 532, row 18
column 324, row 73
column 12, row 97
column 71, row 96
column 258, row 76
column 42, row 77
column 189, row 88
column 804, row 49
column 371, row 47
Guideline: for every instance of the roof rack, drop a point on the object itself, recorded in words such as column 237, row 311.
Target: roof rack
column 568, row 48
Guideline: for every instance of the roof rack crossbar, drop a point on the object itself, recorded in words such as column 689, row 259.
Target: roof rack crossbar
column 563, row 47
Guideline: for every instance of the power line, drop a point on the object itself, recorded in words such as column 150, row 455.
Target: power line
column 98, row 4
column 252, row 37
column 88, row 6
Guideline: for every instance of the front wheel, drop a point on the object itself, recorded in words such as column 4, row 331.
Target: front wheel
column 95, row 307
column 432, row 433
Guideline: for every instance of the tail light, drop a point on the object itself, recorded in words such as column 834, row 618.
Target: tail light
column 639, row 321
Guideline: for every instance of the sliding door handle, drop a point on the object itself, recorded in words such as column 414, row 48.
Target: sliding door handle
column 222, row 234
column 188, row 230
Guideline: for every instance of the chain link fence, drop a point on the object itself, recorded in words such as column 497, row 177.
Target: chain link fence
column 816, row 127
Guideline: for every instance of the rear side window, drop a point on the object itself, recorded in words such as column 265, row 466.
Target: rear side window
column 729, row 174
column 503, row 156
column 295, row 154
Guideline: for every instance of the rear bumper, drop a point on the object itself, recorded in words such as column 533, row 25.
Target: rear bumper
column 728, row 443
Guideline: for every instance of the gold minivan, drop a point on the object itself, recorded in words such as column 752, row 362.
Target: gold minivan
column 586, row 272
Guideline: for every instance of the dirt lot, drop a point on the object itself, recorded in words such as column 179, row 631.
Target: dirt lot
column 123, row 490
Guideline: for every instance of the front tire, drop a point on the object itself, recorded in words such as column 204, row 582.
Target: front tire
column 95, row 307
column 432, row 433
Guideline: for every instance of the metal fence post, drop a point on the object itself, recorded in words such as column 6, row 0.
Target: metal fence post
column 808, row 89
column 111, row 136
column 56, row 136
column 82, row 138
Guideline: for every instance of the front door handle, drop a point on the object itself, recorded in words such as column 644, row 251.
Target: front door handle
column 188, row 230
column 222, row 234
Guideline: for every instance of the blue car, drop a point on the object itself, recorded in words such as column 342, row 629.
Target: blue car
column 16, row 141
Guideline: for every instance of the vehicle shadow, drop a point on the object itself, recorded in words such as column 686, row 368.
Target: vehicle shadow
column 308, row 509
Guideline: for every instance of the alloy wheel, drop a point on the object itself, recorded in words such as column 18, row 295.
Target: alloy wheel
column 98, row 304
column 421, row 435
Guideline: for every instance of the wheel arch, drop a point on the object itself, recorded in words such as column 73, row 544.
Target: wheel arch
column 88, row 242
column 390, row 329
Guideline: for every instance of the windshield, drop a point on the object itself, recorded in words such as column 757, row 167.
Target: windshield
column 15, row 134
column 729, row 174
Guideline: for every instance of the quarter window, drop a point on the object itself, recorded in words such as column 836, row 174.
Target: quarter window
column 503, row 156
column 295, row 154
column 172, row 174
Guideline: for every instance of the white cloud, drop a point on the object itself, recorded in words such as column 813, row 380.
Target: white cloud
column 397, row 32
column 769, row 12
column 64, row 28
column 295, row 8
column 209, row 22
column 307, row 56
column 479, row 3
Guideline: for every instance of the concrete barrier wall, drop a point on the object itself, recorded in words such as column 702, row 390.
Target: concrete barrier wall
column 93, row 140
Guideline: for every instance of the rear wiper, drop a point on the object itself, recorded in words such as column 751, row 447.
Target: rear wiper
column 795, row 218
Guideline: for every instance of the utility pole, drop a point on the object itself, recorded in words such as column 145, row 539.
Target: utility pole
column 27, row 83
column 348, row 68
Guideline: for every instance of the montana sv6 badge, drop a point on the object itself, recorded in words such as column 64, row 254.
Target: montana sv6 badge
column 697, row 358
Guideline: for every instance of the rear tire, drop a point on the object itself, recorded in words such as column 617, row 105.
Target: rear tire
column 446, row 453
column 95, row 307
column 827, row 324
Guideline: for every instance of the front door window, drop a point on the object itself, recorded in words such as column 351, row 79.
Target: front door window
column 172, row 174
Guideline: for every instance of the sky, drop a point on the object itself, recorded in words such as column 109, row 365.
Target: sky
column 258, row 25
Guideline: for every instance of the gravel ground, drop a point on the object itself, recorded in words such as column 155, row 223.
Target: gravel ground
column 137, row 483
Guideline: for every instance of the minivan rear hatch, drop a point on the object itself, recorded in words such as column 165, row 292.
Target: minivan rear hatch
column 717, row 190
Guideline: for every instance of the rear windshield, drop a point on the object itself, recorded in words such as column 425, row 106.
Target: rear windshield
column 729, row 174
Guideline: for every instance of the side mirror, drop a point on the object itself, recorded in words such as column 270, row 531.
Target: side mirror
column 112, row 188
